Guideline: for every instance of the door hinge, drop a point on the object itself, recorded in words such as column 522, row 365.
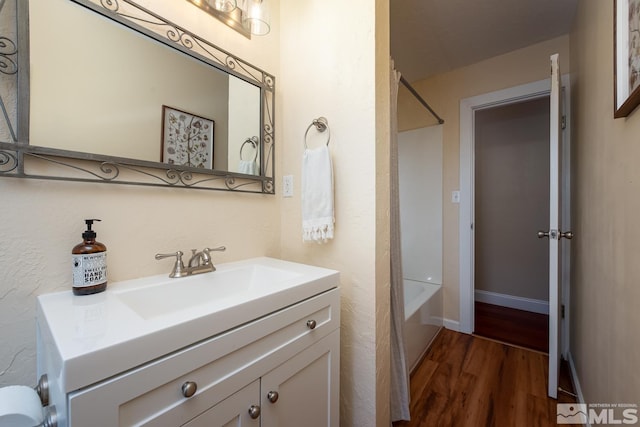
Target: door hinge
column 562, row 311
column 564, row 122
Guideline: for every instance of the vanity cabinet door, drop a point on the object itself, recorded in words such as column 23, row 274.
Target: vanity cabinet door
column 234, row 411
column 152, row 395
column 305, row 390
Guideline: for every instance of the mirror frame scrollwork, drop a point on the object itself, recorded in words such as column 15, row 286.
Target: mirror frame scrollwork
column 17, row 156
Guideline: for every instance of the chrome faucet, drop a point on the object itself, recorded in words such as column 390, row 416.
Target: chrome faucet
column 200, row 262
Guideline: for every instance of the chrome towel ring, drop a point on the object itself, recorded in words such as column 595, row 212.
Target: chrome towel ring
column 254, row 143
column 321, row 124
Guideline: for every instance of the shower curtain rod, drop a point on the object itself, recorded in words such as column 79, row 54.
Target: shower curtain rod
column 419, row 98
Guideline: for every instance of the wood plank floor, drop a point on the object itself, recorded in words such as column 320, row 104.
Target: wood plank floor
column 518, row 327
column 465, row 380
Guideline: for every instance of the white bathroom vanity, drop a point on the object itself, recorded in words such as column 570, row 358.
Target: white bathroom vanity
column 255, row 343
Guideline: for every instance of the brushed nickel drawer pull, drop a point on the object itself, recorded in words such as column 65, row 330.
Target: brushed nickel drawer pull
column 311, row 324
column 189, row 389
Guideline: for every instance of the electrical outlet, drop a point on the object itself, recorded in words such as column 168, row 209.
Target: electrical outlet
column 287, row 186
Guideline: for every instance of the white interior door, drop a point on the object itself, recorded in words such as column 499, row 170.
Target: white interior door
column 555, row 233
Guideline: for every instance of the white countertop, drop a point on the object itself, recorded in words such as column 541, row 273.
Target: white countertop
column 98, row 336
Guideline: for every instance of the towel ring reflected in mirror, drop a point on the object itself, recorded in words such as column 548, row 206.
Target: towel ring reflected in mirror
column 253, row 141
column 321, row 124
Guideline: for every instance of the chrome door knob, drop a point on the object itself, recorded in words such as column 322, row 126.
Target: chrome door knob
column 566, row 235
column 311, row 324
column 189, row 389
column 542, row 234
column 254, row 411
column 272, row 396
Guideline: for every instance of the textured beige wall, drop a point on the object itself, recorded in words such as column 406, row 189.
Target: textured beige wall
column 606, row 203
column 43, row 220
column 444, row 92
column 335, row 64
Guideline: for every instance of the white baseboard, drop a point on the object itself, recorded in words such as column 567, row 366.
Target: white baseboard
column 520, row 303
column 576, row 381
column 452, row 325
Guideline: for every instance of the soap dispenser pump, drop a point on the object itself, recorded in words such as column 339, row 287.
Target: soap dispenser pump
column 89, row 263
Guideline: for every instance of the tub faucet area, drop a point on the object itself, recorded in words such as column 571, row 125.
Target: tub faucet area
column 200, row 262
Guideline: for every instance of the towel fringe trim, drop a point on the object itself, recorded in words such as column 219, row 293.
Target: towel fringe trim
column 317, row 233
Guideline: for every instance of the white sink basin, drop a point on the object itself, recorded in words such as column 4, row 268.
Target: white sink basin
column 96, row 336
column 184, row 293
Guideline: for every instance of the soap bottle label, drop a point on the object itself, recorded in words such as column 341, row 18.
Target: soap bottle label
column 89, row 269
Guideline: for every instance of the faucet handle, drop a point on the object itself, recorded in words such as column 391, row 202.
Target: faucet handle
column 178, row 267
column 218, row 249
column 206, row 256
column 178, row 255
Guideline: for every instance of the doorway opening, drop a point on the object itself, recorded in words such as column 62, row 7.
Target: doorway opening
column 511, row 187
column 469, row 108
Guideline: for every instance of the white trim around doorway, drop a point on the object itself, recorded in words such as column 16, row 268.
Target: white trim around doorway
column 468, row 107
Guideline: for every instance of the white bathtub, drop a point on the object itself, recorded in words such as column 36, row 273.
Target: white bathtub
column 423, row 318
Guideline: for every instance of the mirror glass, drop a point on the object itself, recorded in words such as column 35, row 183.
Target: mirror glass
column 108, row 91
column 114, row 91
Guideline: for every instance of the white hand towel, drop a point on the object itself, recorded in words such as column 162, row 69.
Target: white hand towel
column 247, row 166
column 317, row 195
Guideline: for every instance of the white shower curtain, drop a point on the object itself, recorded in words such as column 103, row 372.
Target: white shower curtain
column 399, row 370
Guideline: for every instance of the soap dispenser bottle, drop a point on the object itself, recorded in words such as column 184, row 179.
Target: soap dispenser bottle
column 89, row 264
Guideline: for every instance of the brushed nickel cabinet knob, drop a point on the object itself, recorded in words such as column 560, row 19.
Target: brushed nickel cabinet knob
column 311, row 324
column 189, row 389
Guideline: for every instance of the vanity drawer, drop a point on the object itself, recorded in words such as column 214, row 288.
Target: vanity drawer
column 152, row 395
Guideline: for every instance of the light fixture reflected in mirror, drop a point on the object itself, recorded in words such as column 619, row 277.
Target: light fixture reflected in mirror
column 225, row 6
column 245, row 16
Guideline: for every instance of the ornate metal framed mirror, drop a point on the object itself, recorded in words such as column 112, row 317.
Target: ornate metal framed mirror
column 87, row 100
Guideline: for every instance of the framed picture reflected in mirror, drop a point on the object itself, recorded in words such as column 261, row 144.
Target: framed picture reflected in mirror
column 187, row 139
